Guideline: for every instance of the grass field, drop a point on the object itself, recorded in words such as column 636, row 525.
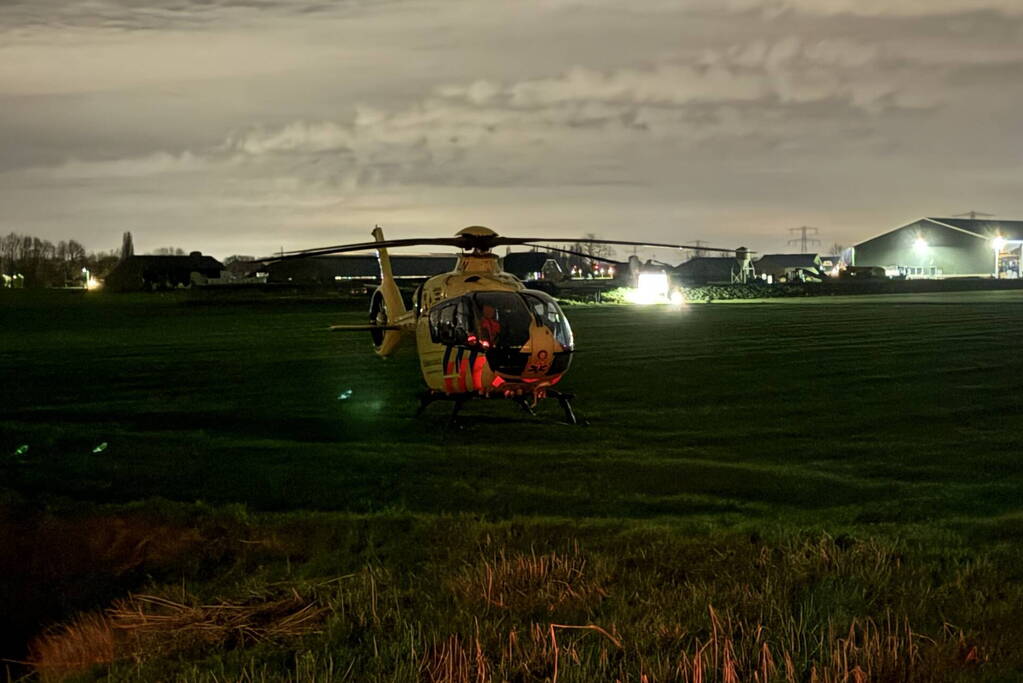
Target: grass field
column 799, row 488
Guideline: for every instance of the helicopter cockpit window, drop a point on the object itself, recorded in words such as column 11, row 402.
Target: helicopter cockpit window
column 550, row 314
column 501, row 319
column 450, row 322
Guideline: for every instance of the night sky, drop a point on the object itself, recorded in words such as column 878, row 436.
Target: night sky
column 240, row 127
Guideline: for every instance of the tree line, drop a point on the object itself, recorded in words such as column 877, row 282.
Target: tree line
column 45, row 264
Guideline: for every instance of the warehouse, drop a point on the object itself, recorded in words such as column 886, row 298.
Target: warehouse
column 946, row 247
column 330, row 270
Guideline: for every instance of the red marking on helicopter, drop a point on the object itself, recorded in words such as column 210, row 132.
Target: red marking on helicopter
column 477, row 373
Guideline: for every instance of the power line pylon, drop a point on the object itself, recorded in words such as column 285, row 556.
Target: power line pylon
column 973, row 215
column 804, row 238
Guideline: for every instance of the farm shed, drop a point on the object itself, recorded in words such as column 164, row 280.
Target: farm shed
column 946, row 247
column 706, row 269
column 138, row 273
column 534, row 265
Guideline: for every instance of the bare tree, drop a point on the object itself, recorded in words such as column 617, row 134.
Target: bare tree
column 592, row 252
column 127, row 246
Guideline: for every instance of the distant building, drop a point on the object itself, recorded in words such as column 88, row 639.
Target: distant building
column 789, row 267
column 716, row 270
column 534, row 265
column 704, row 270
column 832, row 264
column 331, row 270
column 946, row 247
column 146, row 273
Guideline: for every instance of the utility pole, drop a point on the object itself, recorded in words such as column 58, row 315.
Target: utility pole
column 698, row 252
column 804, row 238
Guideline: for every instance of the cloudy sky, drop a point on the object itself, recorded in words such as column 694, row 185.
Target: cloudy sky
column 241, row 126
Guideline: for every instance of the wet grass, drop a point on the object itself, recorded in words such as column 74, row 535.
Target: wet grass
column 717, row 434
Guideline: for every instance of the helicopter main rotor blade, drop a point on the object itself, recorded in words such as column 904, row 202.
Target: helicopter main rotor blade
column 576, row 240
column 367, row 246
column 480, row 242
column 584, row 255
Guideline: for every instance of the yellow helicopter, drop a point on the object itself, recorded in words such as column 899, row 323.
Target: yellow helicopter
column 480, row 333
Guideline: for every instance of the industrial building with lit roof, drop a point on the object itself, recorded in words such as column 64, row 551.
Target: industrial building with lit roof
column 946, row 247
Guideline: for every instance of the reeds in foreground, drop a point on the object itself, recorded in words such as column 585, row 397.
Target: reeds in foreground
column 144, row 626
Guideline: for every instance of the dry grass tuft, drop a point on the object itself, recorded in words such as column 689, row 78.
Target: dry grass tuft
column 452, row 661
column 152, row 618
column 530, row 583
column 868, row 651
column 534, row 654
column 86, row 642
column 146, row 626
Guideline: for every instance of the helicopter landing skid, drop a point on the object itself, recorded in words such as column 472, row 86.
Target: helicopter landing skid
column 428, row 397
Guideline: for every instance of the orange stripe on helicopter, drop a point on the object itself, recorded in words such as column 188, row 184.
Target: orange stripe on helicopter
column 477, row 373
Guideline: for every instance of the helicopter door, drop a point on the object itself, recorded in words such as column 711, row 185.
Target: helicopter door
column 451, row 322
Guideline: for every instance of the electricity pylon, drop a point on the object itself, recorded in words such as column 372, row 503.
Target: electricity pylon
column 804, row 238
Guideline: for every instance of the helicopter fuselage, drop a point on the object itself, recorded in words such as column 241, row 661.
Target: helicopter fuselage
column 480, row 330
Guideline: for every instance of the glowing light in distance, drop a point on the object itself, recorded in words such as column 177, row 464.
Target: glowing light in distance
column 998, row 243
column 919, row 245
column 677, row 298
column 92, row 283
column 653, row 289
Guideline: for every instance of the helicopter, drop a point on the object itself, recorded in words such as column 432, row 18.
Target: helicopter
column 479, row 331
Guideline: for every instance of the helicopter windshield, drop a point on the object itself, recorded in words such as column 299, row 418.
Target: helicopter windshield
column 550, row 314
column 498, row 320
column 502, row 319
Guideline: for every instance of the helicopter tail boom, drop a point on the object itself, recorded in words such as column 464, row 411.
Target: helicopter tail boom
column 390, row 308
column 364, row 328
column 393, row 302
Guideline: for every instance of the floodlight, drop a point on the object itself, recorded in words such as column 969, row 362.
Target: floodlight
column 998, row 243
column 920, row 245
column 652, row 289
